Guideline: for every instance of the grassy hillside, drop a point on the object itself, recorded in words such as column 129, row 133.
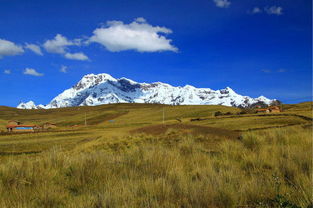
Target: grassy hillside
column 116, row 120
column 126, row 113
column 127, row 157
column 304, row 108
column 134, row 114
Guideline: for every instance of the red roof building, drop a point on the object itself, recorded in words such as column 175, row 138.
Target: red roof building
column 20, row 128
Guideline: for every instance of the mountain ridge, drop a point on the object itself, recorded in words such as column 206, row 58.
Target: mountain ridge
column 97, row 89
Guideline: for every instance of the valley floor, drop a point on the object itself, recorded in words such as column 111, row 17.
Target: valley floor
column 128, row 156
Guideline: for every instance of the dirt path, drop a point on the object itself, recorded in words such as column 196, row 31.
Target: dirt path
column 274, row 127
column 262, row 115
column 255, row 115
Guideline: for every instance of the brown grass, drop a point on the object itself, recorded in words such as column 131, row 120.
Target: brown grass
column 151, row 171
column 162, row 129
column 136, row 161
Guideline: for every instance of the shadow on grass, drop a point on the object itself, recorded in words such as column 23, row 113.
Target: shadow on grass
column 19, row 153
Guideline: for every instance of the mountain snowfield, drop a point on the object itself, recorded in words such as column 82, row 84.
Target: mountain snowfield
column 101, row 89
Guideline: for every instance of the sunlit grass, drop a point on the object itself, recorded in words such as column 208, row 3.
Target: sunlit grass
column 127, row 157
column 165, row 171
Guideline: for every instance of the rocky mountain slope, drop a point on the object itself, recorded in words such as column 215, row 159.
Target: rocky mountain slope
column 104, row 89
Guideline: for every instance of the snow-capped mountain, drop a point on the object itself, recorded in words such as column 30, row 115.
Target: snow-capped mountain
column 100, row 89
column 28, row 105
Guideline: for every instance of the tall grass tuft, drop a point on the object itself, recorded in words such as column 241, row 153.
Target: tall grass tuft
column 263, row 169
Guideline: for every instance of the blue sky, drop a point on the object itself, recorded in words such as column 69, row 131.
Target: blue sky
column 257, row 47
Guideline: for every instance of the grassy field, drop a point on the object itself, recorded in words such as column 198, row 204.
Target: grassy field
column 127, row 156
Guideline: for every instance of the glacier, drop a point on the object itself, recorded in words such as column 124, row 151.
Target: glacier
column 98, row 89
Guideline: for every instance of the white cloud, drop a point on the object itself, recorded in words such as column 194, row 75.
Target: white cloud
column 57, row 45
column 60, row 45
column 35, row 48
column 138, row 35
column 76, row 56
column 63, row 69
column 8, row 48
column 275, row 10
column 222, row 3
column 255, row 10
column 140, row 19
column 32, row 72
column 7, row 71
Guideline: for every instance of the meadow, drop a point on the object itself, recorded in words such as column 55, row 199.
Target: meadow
column 129, row 156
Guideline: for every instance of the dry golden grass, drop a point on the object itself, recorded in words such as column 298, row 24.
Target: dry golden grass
column 103, row 113
column 136, row 161
column 304, row 108
column 171, row 170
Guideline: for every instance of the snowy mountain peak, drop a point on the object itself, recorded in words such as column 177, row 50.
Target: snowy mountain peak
column 228, row 90
column 189, row 87
column 97, row 89
column 28, row 105
column 98, row 76
column 90, row 80
column 128, row 80
column 262, row 98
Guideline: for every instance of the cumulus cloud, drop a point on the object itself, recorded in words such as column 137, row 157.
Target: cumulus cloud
column 140, row 19
column 274, row 10
column 138, row 35
column 32, row 72
column 8, row 48
column 60, row 44
column 255, row 10
column 76, row 56
column 34, row 48
column 7, row 71
column 63, row 69
column 222, row 3
column 57, row 45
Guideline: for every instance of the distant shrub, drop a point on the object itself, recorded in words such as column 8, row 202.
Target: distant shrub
column 247, row 111
column 283, row 202
column 179, row 120
column 218, row 113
